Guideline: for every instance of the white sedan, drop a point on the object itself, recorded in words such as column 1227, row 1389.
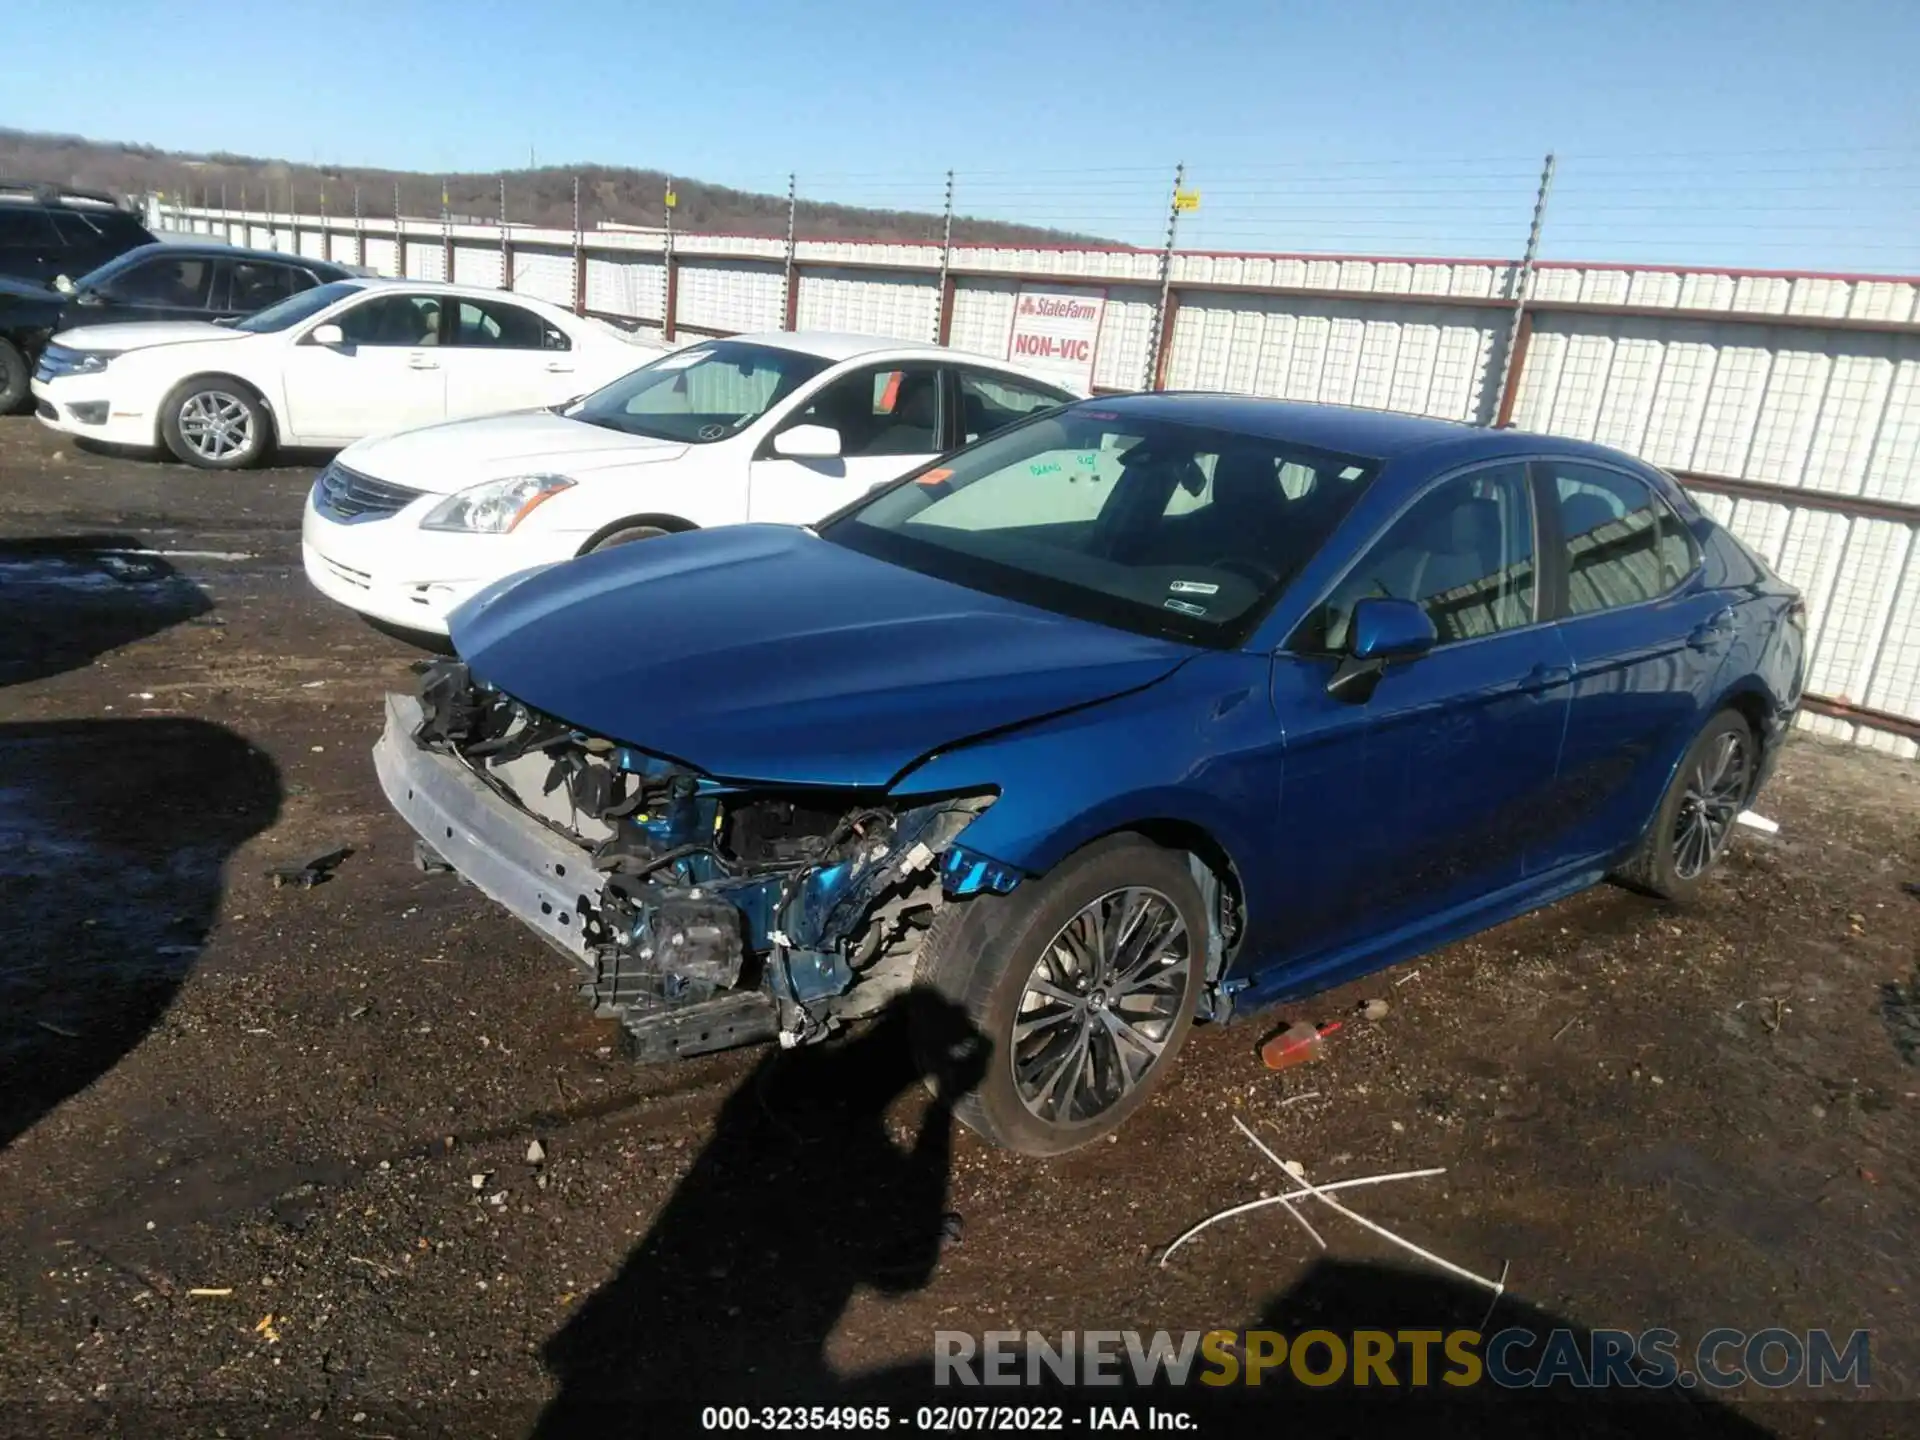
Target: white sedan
column 777, row 427
column 327, row 367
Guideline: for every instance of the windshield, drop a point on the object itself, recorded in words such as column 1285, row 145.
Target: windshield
column 296, row 308
column 1167, row 529
column 701, row 394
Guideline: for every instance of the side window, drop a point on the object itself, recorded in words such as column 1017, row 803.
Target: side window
column 493, row 326
column 405, row 321
column 255, row 284
column 164, row 280
column 993, row 402
column 1464, row 551
column 1623, row 544
column 890, row 411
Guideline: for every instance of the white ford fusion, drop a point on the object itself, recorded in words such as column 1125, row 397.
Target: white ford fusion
column 323, row 368
column 778, row 427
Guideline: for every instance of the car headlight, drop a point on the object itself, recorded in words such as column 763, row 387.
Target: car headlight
column 91, row 362
column 495, row 507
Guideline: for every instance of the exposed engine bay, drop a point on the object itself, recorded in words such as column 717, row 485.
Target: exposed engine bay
column 722, row 914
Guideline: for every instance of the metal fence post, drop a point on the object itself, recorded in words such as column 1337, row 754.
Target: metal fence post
column 1520, row 326
column 359, row 232
column 792, row 305
column 579, row 256
column 506, row 249
column 943, row 322
column 399, row 236
column 1163, row 312
column 326, row 231
column 446, row 232
column 670, row 306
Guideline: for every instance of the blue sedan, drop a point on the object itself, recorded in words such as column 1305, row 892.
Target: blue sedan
column 1145, row 710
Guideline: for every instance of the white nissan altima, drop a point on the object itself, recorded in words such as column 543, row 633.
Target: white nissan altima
column 323, row 368
column 778, row 427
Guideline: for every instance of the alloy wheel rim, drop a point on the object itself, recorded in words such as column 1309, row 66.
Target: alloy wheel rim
column 1100, row 1005
column 216, row 425
column 1716, row 789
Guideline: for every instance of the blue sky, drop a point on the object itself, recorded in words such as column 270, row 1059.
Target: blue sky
column 1761, row 133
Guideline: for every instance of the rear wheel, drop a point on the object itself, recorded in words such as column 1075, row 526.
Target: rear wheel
column 216, row 424
column 15, row 390
column 1083, row 984
column 1696, row 816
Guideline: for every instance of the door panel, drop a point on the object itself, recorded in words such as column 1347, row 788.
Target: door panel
column 889, row 420
column 505, row 357
column 1427, row 794
column 1648, row 641
column 388, row 375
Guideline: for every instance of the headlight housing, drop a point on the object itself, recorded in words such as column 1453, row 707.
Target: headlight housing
column 92, row 362
column 495, row 507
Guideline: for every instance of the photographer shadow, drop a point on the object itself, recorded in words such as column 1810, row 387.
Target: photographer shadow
column 114, row 833
column 801, row 1198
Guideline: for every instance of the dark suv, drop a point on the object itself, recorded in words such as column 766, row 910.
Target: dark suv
column 190, row 280
column 47, row 231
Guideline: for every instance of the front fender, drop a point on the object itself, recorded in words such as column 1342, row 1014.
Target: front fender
column 1199, row 749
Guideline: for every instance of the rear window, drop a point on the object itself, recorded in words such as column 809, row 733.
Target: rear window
column 22, row 225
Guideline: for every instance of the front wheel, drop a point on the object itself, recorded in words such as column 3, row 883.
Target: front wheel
column 1083, row 984
column 1697, row 814
column 626, row 535
column 216, row 424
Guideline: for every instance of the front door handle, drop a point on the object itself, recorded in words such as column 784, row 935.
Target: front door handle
column 559, row 367
column 1546, row 677
column 422, row 362
column 1710, row 632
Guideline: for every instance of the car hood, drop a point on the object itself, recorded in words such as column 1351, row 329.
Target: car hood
column 448, row 457
column 759, row 652
column 142, row 335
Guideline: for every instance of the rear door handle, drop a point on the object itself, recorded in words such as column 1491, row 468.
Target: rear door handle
column 421, row 362
column 559, row 367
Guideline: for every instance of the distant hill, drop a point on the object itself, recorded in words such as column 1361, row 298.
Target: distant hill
column 540, row 197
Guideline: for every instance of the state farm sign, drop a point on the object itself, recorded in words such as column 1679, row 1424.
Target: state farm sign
column 1055, row 333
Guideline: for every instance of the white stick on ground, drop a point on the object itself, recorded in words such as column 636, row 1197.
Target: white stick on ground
column 1286, row 1200
column 1319, row 1192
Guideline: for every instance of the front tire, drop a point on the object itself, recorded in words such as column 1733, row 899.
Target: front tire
column 1695, row 820
column 1083, row 984
column 626, row 535
column 216, row 424
column 15, row 389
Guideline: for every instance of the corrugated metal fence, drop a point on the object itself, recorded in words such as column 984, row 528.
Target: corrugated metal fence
column 1788, row 403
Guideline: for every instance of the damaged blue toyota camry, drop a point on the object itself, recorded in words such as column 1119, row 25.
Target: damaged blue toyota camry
column 1147, row 710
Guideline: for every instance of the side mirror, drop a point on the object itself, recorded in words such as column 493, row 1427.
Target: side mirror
column 807, row 442
column 330, row 335
column 1382, row 631
column 1391, row 630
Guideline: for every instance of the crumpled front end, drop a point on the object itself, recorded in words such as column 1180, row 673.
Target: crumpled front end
column 704, row 914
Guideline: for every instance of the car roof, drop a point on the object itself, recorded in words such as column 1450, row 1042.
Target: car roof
column 836, row 345
column 214, row 249
column 437, row 287
column 1345, row 429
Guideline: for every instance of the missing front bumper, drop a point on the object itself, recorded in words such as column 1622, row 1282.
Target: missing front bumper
column 548, row 883
column 550, row 886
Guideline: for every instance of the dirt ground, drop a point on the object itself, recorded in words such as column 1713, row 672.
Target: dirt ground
column 264, row 1151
